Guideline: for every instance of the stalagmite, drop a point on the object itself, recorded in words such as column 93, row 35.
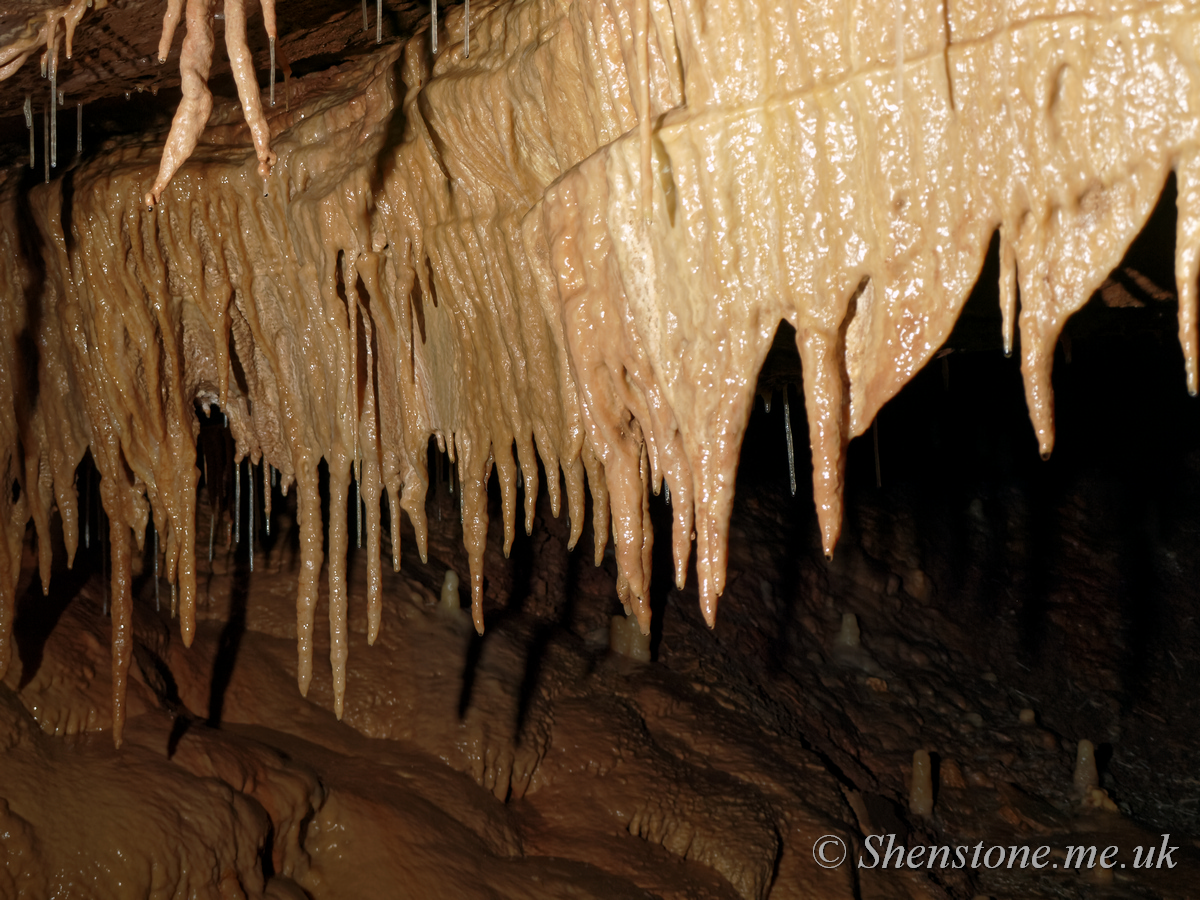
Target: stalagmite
column 53, row 130
column 576, row 248
column 625, row 638
column 52, row 53
column 449, row 596
column 238, row 47
column 1085, row 777
column 920, row 797
column 849, row 635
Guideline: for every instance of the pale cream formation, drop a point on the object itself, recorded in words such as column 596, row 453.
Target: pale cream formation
column 242, row 62
column 489, row 276
column 170, row 23
column 195, row 60
column 920, row 793
column 801, row 186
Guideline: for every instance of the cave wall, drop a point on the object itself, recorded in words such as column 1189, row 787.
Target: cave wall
column 578, row 243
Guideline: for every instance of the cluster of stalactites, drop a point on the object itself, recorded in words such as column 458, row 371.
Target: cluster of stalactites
column 48, row 31
column 195, row 62
column 578, row 249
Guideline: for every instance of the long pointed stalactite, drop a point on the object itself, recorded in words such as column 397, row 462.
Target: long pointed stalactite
column 575, row 244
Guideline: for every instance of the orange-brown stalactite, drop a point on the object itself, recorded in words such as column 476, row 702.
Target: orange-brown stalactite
column 195, row 62
column 463, row 252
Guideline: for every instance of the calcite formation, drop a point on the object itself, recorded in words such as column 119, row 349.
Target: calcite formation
column 574, row 245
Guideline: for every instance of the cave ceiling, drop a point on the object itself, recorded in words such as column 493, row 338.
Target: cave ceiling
column 115, row 73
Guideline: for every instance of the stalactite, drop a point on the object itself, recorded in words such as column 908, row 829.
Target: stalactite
column 29, row 125
column 250, row 485
column 170, row 23
column 535, row 271
column 268, row 479
column 269, row 23
column 787, row 428
column 157, row 602
column 87, row 514
column 120, row 592
column 195, row 61
column 237, row 506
